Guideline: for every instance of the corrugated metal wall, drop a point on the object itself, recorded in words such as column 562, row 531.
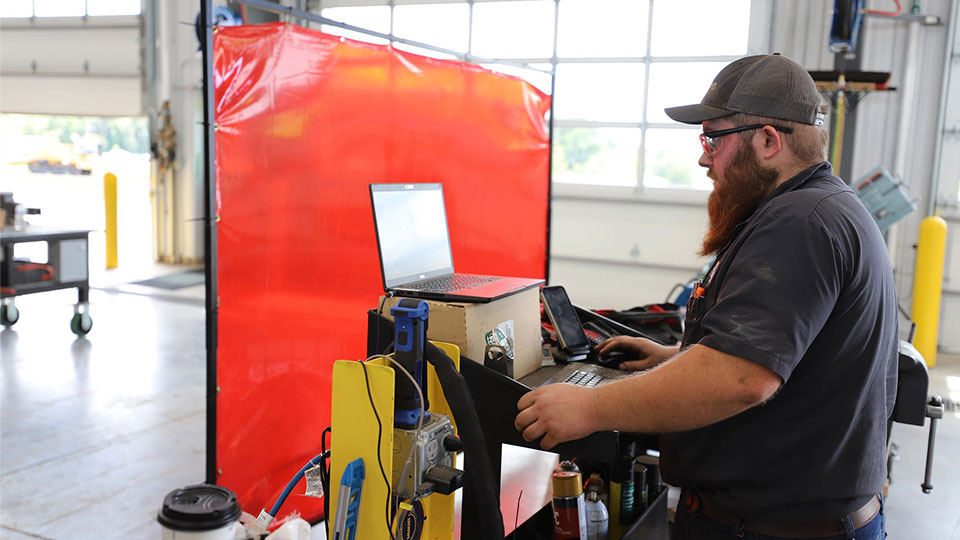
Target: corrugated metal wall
column 800, row 30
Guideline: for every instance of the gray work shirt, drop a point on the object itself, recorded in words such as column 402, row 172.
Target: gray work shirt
column 805, row 289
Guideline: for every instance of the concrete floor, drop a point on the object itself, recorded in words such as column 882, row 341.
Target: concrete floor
column 96, row 431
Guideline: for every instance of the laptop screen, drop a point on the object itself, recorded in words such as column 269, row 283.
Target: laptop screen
column 412, row 233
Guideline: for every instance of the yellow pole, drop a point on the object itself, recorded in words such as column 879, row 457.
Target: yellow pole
column 928, row 285
column 110, row 206
column 840, row 121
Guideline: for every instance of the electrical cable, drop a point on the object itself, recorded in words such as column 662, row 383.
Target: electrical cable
column 479, row 480
column 325, row 478
column 409, row 460
column 323, row 438
column 386, row 509
column 886, row 13
column 380, row 433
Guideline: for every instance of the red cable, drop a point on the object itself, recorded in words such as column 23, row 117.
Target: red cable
column 886, row 13
column 35, row 266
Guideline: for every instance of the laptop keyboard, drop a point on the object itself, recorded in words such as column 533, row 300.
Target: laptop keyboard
column 584, row 378
column 454, row 282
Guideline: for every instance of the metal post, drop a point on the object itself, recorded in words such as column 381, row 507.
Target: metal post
column 553, row 100
column 210, row 239
column 848, row 131
column 641, row 169
column 948, row 56
column 908, row 88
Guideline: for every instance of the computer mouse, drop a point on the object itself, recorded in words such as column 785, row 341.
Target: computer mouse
column 612, row 359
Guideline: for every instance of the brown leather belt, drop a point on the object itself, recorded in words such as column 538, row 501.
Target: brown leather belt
column 802, row 529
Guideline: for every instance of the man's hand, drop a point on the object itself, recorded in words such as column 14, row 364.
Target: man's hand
column 557, row 412
column 649, row 353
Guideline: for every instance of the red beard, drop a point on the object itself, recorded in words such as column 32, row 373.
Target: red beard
column 744, row 186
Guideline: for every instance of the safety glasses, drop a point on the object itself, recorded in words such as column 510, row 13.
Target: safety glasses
column 710, row 140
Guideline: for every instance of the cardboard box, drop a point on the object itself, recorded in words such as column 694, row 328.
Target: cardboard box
column 466, row 325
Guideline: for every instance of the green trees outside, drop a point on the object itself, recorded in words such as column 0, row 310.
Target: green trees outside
column 127, row 133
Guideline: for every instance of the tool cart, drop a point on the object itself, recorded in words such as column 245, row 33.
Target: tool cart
column 65, row 268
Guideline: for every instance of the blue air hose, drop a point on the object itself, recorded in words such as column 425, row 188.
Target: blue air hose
column 293, row 482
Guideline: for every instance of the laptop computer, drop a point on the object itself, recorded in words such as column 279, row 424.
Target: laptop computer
column 413, row 243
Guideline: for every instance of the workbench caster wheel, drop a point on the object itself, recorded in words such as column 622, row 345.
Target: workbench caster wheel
column 81, row 323
column 9, row 315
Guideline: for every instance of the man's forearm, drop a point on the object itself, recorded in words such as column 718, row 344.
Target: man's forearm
column 696, row 388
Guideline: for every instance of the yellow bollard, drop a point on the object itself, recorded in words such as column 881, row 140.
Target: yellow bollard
column 110, row 206
column 928, row 285
column 840, row 116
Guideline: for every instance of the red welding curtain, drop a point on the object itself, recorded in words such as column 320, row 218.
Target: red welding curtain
column 305, row 121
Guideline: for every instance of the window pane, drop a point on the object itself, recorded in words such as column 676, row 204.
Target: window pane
column 441, row 25
column 513, row 29
column 671, row 160
column 700, row 27
column 113, row 7
column 602, row 28
column 597, row 156
column 674, row 84
column 537, row 78
column 376, row 18
column 58, row 8
column 20, row 8
column 602, row 92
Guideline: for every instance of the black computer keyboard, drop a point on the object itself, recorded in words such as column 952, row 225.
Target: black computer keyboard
column 454, row 282
column 584, row 378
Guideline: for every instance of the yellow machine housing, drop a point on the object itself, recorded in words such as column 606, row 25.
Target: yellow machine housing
column 354, row 435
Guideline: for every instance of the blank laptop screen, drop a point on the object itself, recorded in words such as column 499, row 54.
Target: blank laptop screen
column 411, row 232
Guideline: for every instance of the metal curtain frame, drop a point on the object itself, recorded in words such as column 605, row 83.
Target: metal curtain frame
column 267, row 5
column 212, row 299
column 211, row 218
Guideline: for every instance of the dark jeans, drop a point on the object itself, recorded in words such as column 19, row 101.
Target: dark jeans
column 696, row 526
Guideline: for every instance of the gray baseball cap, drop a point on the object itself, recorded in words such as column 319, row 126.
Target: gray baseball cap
column 768, row 85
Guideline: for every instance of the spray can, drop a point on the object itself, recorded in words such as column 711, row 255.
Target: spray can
column 654, row 483
column 569, row 512
column 622, row 496
column 640, row 489
column 596, row 483
column 598, row 520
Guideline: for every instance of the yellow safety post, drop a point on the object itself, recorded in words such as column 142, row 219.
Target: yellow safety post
column 839, row 121
column 110, row 207
column 928, row 285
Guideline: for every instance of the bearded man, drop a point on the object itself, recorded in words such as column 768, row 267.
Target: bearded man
column 773, row 409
